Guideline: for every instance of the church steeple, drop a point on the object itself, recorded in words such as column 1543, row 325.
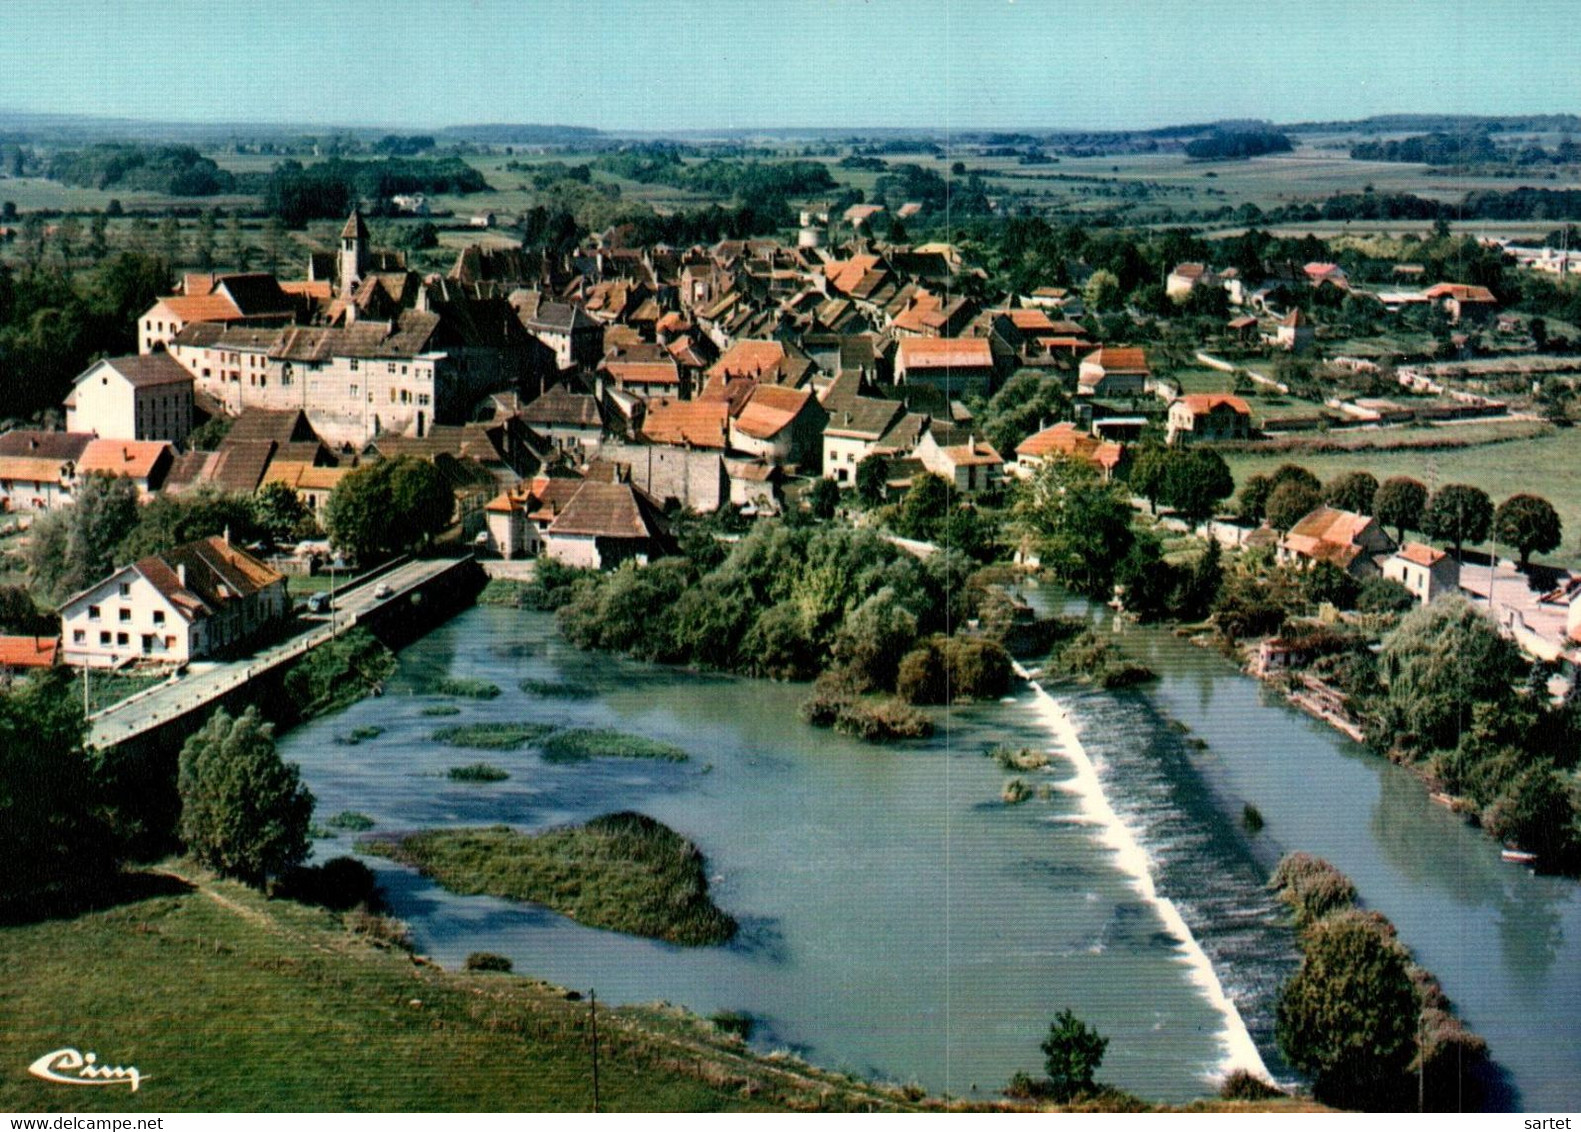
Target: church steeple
column 353, row 252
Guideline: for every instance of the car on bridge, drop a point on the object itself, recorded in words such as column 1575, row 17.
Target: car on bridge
column 383, row 591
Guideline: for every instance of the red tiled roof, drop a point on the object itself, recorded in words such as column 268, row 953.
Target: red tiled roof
column 1421, row 555
column 1200, row 403
column 942, row 353
column 770, row 408
column 201, row 308
column 609, row 510
column 1065, row 439
column 644, row 373
column 135, row 458
column 1460, row 292
column 700, row 424
column 1118, row 359
column 27, row 652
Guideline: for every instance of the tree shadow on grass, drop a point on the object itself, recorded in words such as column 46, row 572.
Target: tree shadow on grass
column 91, row 895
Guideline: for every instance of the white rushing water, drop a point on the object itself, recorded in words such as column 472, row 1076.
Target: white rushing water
column 1240, row 1051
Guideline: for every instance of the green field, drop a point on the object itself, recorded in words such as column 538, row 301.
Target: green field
column 225, row 1001
column 1549, row 466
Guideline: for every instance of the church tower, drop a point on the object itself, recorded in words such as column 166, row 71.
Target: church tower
column 353, row 253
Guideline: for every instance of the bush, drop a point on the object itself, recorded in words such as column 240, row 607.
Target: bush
column 1245, row 1086
column 1384, row 595
column 339, row 884
column 477, row 772
column 352, row 821
column 493, row 736
column 950, row 669
column 880, row 722
column 487, row 961
column 467, row 687
column 579, row 744
column 1311, row 887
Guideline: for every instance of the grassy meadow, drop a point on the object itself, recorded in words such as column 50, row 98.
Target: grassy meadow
column 226, row 1001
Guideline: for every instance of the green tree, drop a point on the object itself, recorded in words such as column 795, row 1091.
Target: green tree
column 1352, row 491
column 279, row 511
column 1080, row 526
column 244, row 812
column 238, row 251
column 1196, row 481
column 1347, row 1017
column 168, row 521
column 1252, row 503
column 205, row 240
column 387, row 507
column 872, row 475
column 924, row 508
column 170, row 239
column 75, row 546
column 824, row 499
column 1442, row 659
column 1072, row 1052
column 1529, row 523
column 1457, row 514
column 1399, row 503
column 98, row 237
column 1148, row 473
column 1102, row 292
column 1289, row 503
column 53, row 847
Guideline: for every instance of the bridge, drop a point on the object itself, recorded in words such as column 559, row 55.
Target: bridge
column 205, row 683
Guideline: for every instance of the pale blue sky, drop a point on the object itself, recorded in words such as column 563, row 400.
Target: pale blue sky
column 688, row 64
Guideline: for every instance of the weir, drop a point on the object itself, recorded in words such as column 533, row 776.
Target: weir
column 1240, row 1051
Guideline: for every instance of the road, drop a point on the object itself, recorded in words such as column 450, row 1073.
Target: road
column 205, row 681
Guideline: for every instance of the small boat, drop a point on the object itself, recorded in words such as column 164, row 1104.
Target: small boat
column 1443, row 800
column 1519, row 856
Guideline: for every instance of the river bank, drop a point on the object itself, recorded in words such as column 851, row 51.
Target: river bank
column 1504, row 943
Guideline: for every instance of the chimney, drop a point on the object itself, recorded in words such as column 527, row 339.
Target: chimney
column 181, row 574
column 227, row 534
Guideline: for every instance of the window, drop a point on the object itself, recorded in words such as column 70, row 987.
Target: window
column 78, row 636
column 126, row 589
column 104, row 638
column 392, row 367
column 353, row 365
column 159, row 617
column 93, row 613
column 353, row 390
column 124, row 615
column 422, row 398
column 121, row 638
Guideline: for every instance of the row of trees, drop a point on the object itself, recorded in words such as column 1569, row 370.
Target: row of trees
column 1457, row 514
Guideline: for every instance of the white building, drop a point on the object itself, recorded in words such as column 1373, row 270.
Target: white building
column 1424, row 570
column 196, row 600
column 144, row 397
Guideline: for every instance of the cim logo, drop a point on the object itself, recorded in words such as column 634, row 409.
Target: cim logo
column 70, row 1067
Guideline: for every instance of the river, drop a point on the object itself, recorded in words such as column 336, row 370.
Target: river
column 900, row 921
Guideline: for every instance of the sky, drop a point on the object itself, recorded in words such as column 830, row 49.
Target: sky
column 654, row 65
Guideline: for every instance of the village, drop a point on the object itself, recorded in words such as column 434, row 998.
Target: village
column 574, row 404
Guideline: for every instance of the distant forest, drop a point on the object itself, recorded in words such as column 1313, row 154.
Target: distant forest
column 292, row 191
column 1225, row 145
column 1463, row 149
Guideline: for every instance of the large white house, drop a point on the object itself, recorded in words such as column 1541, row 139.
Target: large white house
column 144, row 397
column 205, row 597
